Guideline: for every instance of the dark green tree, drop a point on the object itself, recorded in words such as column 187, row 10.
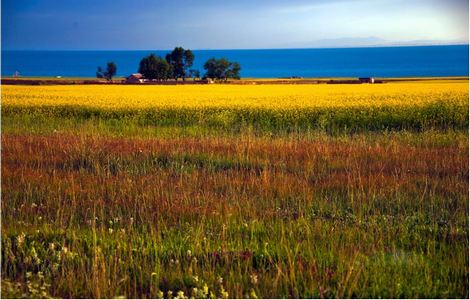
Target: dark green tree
column 111, row 70
column 233, row 71
column 221, row 69
column 154, row 67
column 180, row 60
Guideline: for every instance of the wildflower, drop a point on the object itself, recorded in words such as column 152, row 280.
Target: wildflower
column 180, row 295
column 110, row 230
column 205, row 290
column 254, row 279
column 160, row 295
column 20, row 239
column 223, row 293
column 196, row 278
column 194, row 292
column 220, row 280
column 169, row 294
column 253, row 294
column 188, row 253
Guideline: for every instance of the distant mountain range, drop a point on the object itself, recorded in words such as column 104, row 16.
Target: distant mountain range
column 369, row 42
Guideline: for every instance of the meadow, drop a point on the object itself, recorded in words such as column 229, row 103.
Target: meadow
column 236, row 191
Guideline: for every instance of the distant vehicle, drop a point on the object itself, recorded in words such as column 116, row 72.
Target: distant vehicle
column 366, row 79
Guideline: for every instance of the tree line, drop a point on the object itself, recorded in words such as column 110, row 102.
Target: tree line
column 177, row 64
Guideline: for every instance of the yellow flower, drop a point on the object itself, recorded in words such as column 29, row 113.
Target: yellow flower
column 180, row 295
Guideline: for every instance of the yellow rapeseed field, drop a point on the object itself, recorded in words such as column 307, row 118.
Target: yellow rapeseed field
column 241, row 96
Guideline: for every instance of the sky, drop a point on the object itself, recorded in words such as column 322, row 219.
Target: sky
column 240, row 24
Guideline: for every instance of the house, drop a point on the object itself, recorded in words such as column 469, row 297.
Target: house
column 366, row 80
column 208, row 80
column 135, row 78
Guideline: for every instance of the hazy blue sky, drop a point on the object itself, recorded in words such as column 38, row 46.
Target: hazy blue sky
column 216, row 24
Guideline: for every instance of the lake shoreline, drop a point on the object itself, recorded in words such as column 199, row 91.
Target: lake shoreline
column 121, row 81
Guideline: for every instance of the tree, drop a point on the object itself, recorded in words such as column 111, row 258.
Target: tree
column 111, row 70
column 233, row 71
column 154, row 67
column 221, row 69
column 180, row 60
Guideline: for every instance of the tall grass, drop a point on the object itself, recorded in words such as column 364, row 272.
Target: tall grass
column 246, row 216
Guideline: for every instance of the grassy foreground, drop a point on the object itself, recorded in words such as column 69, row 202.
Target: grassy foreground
column 107, row 205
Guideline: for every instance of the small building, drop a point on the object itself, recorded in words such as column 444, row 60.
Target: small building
column 208, row 80
column 135, row 78
column 366, row 79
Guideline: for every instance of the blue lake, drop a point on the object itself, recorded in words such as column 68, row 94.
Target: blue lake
column 262, row 63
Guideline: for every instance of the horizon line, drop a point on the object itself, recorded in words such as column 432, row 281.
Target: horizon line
column 250, row 49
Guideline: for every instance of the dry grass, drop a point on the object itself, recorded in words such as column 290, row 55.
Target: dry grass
column 329, row 217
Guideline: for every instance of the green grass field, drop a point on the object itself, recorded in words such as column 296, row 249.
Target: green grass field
column 367, row 202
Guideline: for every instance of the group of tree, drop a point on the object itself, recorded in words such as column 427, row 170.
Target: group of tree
column 174, row 66
column 177, row 64
column 222, row 69
column 111, row 70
